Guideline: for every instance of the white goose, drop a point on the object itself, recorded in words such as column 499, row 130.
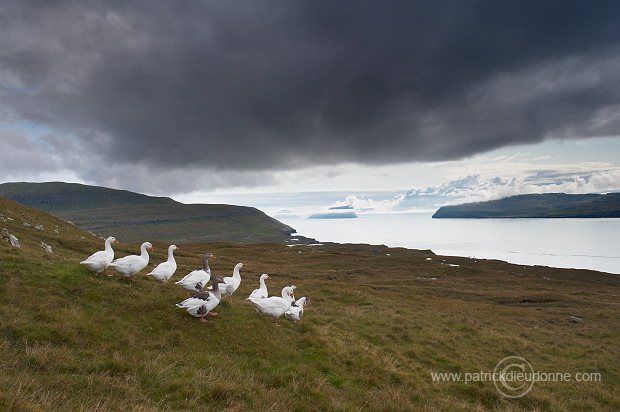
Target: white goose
column 99, row 261
column 202, row 303
column 197, row 279
column 132, row 264
column 296, row 310
column 165, row 270
column 232, row 282
column 261, row 292
column 274, row 306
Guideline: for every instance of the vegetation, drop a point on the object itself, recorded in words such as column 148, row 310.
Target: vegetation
column 550, row 205
column 381, row 321
column 132, row 216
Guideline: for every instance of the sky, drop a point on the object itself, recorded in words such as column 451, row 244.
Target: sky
column 387, row 107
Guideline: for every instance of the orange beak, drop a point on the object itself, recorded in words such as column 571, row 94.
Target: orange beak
column 115, row 241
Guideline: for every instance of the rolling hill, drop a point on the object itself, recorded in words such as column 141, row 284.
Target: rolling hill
column 132, row 216
column 550, row 205
column 382, row 322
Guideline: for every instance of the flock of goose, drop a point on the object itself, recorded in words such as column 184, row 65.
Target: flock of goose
column 202, row 302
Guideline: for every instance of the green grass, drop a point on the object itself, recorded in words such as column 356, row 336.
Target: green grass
column 72, row 340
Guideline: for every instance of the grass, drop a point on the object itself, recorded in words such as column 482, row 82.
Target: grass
column 378, row 327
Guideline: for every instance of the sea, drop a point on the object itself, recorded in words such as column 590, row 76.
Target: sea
column 564, row 243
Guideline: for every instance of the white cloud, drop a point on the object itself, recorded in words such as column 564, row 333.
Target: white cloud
column 475, row 188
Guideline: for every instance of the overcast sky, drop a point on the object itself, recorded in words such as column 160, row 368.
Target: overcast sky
column 198, row 99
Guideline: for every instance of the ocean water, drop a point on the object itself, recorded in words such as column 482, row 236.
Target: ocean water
column 565, row 243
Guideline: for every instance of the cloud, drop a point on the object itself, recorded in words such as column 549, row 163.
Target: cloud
column 475, row 188
column 155, row 94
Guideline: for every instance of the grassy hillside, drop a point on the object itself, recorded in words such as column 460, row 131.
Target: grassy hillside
column 550, row 205
column 381, row 322
column 133, row 217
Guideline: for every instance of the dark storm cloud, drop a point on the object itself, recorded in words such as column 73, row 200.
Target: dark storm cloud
column 262, row 85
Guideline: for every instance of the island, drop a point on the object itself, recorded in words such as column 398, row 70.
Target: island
column 334, row 215
column 548, row 205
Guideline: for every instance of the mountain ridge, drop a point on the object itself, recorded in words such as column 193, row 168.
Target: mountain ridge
column 131, row 216
column 547, row 205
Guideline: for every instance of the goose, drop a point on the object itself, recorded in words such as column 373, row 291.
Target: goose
column 275, row 306
column 165, row 270
column 296, row 310
column 132, row 264
column 197, row 279
column 232, row 282
column 261, row 292
column 202, row 303
column 99, row 261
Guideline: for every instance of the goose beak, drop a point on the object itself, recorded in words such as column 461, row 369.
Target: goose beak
column 115, row 241
column 212, row 256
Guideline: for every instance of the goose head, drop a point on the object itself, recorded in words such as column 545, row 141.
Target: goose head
column 217, row 281
column 288, row 292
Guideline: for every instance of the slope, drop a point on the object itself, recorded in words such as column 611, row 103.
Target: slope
column 382, row 321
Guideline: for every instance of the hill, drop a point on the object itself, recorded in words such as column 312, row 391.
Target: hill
column 382, row 322
column 550, row 205
column 132, row 216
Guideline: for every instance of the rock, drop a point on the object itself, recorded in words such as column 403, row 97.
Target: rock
column 14, row 241
column 575, row 319
column 46, row 247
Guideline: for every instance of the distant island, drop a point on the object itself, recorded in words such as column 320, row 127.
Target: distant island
column 334, row 215
column 340, row 212
column 549, row 205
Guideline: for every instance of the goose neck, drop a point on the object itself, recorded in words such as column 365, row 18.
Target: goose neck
column 216, row 290
column 108, row 245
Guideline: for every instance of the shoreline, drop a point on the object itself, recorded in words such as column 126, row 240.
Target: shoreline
column 303, row 241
